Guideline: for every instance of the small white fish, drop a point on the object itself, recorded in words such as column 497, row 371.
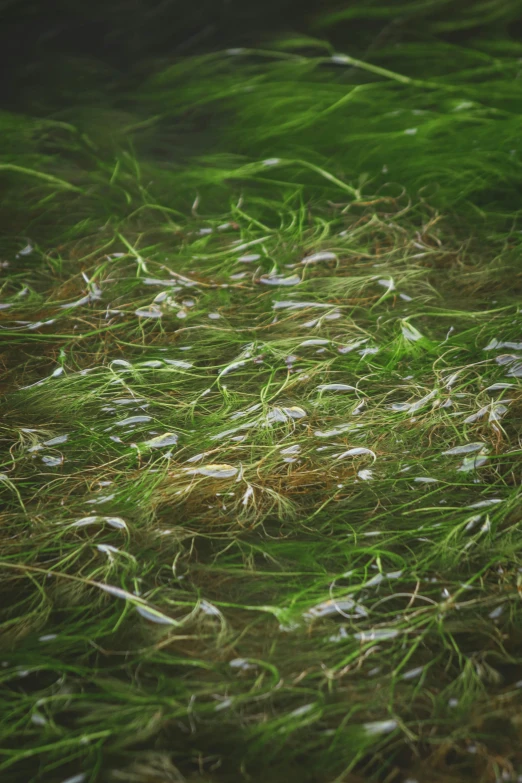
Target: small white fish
column 180, row 364
column 150, row 313
column 84, row 521
column 291, row 305
column 376, row 634
column 26, row 251
column 497, row 411
column 340, row 606
column 154, row 615
column 139, row 604
column 56, row 441
column 497, row 344
column 215, row 470
column 240, row 414
column 387, row 283
column 333, row 432
column 100, row 499
column 291, row 449
column 275, row 415
column 161, row 297
column 335, row 387
column 248, row 494
column 197, row 457
column 107, row 549
column 209, row 609
column 133, row 420
column 352, row 346
column 249, row 257
column 232, row 367
column 116, row 522
column 295, row 412
column 280, row 280
column 499, row 386
column 52, row 462
column 467, row 448
column 515, row 370
column 341, row 59
column 375, row 580
column 472, row 521
column 377, row 727
column 93, row 296
column 422, row 402
column 156, row 281
column 226, row 703
column 167, row 439
column 121, row 363
column 241, row 663
column 472, row 463
column 322, row 256
column 412, row 406
column 410, row 333
column 357, row 452
column 226, row 433
column 484, row 503
column 475, row 416
column 302, row 710
column 412, row 674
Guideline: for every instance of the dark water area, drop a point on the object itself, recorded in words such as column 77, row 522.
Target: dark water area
column 131, row 36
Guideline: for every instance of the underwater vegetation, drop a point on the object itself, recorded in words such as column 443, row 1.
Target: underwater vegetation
column 261, row 422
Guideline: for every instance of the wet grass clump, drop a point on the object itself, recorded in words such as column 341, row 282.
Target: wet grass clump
column 261, row 428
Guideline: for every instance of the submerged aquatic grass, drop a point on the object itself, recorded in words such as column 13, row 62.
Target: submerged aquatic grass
column 261, row 432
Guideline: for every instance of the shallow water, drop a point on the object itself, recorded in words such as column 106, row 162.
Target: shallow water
column 294, row 556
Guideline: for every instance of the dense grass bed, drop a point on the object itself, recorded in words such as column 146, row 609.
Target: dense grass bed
column 261, row 421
